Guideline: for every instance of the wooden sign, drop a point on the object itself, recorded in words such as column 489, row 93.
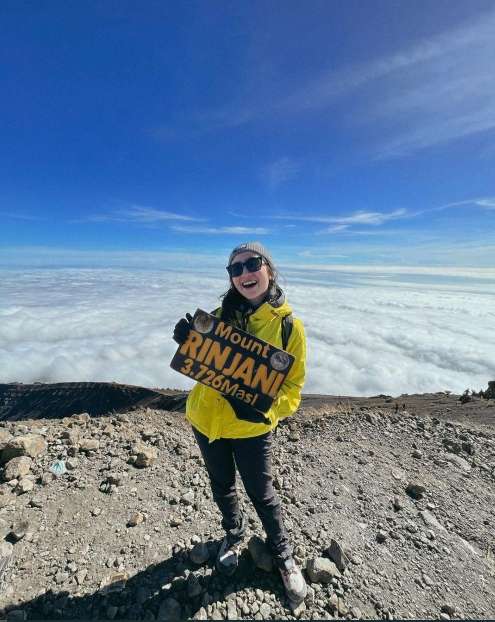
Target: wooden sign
column 233, row 362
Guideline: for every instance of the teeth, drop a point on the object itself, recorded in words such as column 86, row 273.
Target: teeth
column 247, row 283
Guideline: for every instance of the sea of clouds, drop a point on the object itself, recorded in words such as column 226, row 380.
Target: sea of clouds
column 369, row 331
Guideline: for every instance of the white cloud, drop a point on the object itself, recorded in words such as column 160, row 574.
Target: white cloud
column 369, row 331
column 47, row 256
column 333, row 229
column 280, row 171
column 432, row 91
column 319, row 254
column 360, row 217
column 221, row 230
column 438, row 271
column 484, row 202
column 138, row 214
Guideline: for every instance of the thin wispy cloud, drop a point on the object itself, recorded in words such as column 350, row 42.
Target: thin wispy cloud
column 221, row 230
column 333, row 229
column 280, row 172
column 140, row 215
column 18, row 216
column 320, row 255
column 484, row 202
column 430, row 92
column 360, row 217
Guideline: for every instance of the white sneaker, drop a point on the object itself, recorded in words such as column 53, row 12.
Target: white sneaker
column 294, row 583
column 228, row 557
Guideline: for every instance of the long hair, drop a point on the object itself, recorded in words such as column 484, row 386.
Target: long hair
column 233, row 300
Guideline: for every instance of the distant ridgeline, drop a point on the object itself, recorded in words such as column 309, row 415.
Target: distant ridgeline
column 37, row 401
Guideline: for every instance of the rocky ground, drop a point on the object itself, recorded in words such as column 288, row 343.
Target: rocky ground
column 391, row 512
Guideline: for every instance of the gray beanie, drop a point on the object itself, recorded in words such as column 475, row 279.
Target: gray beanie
column 256, row 247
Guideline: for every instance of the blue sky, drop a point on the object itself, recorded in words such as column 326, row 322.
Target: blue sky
column 337, row 133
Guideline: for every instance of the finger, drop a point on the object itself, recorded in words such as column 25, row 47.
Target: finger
column 189, row 317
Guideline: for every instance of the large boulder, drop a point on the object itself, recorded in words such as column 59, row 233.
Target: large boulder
column 5, row 437
column 17, row 468
column 31, row 445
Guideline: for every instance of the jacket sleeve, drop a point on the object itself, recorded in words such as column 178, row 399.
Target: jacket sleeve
column 289, row 396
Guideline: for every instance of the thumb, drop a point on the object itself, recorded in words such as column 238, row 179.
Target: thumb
column 189, row 317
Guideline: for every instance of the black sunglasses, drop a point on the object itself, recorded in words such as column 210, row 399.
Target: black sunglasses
column 253, row 264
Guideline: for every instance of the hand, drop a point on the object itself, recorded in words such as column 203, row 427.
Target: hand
column 246, row 412
column 182, row 328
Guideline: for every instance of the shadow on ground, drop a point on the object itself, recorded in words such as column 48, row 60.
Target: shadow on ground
column 175, row 588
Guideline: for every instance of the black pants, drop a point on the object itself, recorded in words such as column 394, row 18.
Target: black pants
column 253, row 459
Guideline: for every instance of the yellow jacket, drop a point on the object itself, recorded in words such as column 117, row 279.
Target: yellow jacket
column 213, row 416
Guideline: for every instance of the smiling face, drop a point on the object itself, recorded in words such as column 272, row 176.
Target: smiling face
column 252, row 285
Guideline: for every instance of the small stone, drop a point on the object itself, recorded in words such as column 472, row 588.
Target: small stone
column 47, row 478
column 460, row 462
column 431, row 521
column 200, row 553
column 260, row 553
column 336, row 553
column 114, row 478
column 72, row 464
column 188, row 498
column 148, row 434
column 415, row 490
column 265, row 610
column 135, row 519
column 145, row 455
column 232, row 610
column 96, row 511
column 297, row 609
column 322, row 570
column 427, row 580
column 19, row 530
column 89, row 444
column 200, row 614
column 114, row 583
column 61, row 577
column 381, row 535
column 25, row 485
column 80, row 576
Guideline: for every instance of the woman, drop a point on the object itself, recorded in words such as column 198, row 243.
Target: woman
column 232, row 433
